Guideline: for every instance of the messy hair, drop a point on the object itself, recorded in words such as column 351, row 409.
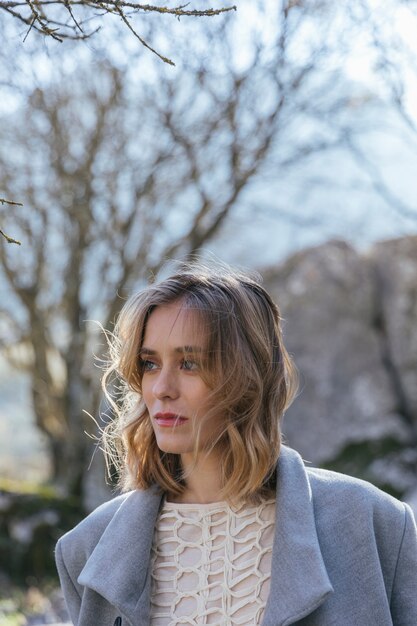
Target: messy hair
column 250, row 374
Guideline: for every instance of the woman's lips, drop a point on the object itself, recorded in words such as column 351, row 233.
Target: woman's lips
column 169, row 419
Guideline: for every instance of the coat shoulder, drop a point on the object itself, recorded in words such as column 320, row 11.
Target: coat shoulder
column 353, row 499
column 365, row 531
column 86, row 534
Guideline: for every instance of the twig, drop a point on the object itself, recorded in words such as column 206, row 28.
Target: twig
column 177, row 11
column 142, row 41
column 2, row 233
column 30, row 28
column 32, row 23
column 9, row 239
column 11, row 202
column 68, row 7
column 43, row 23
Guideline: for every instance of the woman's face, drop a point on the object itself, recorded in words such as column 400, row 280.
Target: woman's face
column 175, row 394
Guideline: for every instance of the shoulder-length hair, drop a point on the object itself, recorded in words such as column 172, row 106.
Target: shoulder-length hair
column 246, row 365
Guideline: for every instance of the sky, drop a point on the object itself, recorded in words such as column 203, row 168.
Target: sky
column 347, row 206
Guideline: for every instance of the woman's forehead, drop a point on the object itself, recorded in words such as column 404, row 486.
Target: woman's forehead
column 175, row 322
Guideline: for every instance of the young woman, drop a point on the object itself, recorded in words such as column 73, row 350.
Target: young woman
column 221, row 524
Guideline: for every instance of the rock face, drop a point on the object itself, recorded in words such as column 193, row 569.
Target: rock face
column 350, row 321
column 395, row 264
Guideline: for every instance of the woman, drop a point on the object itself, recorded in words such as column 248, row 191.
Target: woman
column 221, row 524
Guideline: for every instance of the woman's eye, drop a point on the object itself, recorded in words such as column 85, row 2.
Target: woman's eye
column 189, row 365
column 147, row 366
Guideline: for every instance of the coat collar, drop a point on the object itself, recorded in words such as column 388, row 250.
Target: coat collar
column 299, row 581
column 118, row 568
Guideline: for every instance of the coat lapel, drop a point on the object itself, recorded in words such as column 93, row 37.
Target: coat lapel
column 118, row 568
column 299, row 581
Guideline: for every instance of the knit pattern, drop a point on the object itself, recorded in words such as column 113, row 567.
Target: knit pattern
column 211, row 564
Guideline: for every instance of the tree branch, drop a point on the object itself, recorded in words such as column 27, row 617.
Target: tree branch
column 2, row 233
column 9, row 239
column 142, row 41
column 45, row 24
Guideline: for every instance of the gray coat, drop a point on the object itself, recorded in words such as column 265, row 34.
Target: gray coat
column 345, row 554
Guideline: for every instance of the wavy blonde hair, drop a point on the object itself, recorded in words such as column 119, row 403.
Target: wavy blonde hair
column 250, row 374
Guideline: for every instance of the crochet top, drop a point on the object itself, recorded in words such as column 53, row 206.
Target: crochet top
column 211, row 564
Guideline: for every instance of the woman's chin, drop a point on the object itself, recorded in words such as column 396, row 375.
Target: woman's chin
column 167, row 444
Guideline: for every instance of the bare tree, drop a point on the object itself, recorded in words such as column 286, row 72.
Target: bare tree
column 59, row 20
column 117, row 175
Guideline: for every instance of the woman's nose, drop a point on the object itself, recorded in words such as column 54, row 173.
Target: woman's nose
column 166, row 384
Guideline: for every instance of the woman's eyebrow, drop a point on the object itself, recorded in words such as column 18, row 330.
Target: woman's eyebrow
column 147, row 351
column 189, row 349
column 181, row 350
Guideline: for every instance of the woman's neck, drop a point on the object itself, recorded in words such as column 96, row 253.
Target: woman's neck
column 202, row 480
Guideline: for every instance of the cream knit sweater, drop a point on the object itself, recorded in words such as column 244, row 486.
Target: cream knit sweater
column 211, row 564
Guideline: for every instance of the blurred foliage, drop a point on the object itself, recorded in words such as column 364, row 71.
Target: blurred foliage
column 35, row 604
column 30, row 525
column 355, row 459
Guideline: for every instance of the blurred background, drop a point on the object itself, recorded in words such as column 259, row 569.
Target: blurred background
column 283, row 139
